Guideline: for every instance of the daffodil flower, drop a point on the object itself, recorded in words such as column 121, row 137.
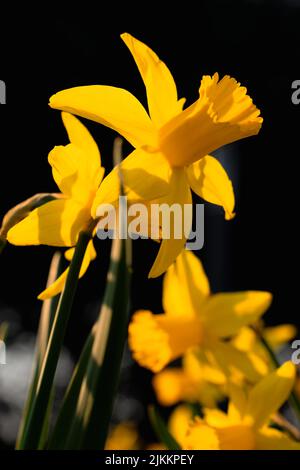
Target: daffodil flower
column 195, row 318
column 77, row 171
column 246, row 426
column 171, row 144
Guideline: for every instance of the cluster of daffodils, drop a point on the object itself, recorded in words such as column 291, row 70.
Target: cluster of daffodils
column 221, row 358
column 203, row 349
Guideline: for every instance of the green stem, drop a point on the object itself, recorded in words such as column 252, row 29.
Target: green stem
column 161, row 429
column 38, row 412
column 293, row 400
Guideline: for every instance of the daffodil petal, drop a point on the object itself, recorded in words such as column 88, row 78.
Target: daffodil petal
column 237, row 404
column 145, row 177
column 277, row 336
column 209, row 180
column 72, row 173
column 56, row 223
column 216, row 418
column 171, row 247
column 226, row 313
column 179, row 422
column 81, row 138
column 201, row 437
column 54, row 288
column 237, row 364
column 273, row 439
column 160, row 85
column 185, row 285
column 59, row 283
column 113, row 107
column 269, row 394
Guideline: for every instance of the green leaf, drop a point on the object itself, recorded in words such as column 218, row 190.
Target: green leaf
column 161, row 429
column 65, row 416
column 90, row 424
column 45, row 325
column 38, row 410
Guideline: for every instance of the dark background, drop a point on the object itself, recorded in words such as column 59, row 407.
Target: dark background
column 257, row 42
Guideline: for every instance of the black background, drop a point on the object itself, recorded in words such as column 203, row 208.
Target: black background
column 257, row 42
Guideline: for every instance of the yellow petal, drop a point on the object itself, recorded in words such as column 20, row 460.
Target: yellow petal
column 73, row 175
column 201, row 437
column 226, row 313
column 170, row 386
column 277, row 336
column 237, row 404
column 236, row 437
column 224, row 113
column 76, row 167
column 216, row 418
column 123, row 436
column 179, row 194
column 246, row 339
column 56, row 223
column 197, row 367
column 82, row 139
column 273, row 439
column 270, row 394
column 209, row 180
column 113, row 107
column 54, row 288
column 179, row 422
column 160, row 85
column 59, row 284
column 139, row 167
column 237, row 365
column 156, row 340
column 185, row 286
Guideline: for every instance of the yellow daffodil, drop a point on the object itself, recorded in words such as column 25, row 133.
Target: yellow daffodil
column 246, row 426
column 193, row 382
column 171, row 144
column 77, row 171
column 196, row 319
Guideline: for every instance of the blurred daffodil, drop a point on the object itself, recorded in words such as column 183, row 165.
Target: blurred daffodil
column 246, row 426
column 195, row 382
column 77, row 171
column 197, row 320
column 171, row 144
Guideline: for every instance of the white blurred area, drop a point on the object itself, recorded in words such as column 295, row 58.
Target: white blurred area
column 15, row 375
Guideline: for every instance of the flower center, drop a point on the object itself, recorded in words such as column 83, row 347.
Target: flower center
column 156, row 340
